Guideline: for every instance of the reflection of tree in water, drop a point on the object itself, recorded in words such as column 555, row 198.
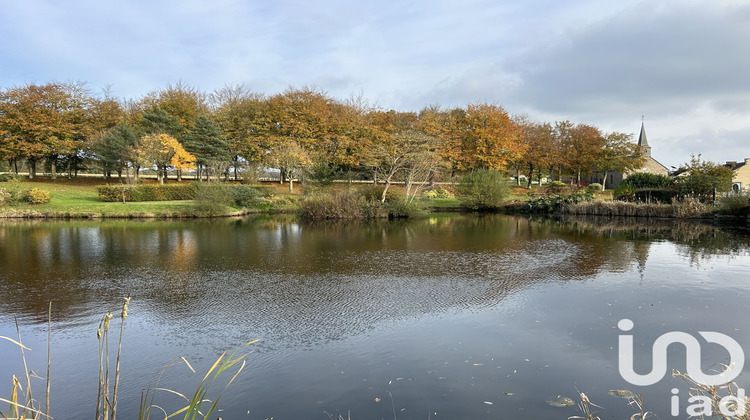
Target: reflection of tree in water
column 283, row 280
column 697, row 240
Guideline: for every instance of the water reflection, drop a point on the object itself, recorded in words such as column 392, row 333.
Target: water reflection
column 369, row 299
column 175, row 262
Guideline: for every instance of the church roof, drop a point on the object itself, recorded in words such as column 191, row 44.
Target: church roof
column 642, row 141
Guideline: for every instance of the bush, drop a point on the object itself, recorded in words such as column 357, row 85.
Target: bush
column 595, row 187
column 557, row 203
column 557, row 187
column 401, row 208
column 375, row 192
column 4, row 196
column 265, row 190
column 9, row 177
column 146, row 192
column 244, row 196
column 736, row 204
column 646, row 180
column 340, row 205
column 689, row 207
column 483, row 190
column 211, row 199
column 437, row 193
column 36, row 196
column 624, row 192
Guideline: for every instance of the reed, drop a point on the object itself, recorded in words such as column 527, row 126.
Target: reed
column 26, row 408
column 22, row 404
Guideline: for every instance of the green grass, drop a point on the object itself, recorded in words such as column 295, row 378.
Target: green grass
column 80, row 199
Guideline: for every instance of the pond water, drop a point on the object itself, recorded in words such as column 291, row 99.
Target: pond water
column 451, row 316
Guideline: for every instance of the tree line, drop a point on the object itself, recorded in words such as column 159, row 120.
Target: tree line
column 302, row 132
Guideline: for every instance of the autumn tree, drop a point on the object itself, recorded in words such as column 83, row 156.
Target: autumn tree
column 481, row 136
column 290, row 158
column 244, row 120
column 42, row 121
column 580, row 145
column 160, row 151
column 181, row 101
column 542, row 151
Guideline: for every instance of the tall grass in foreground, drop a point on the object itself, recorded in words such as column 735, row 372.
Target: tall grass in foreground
column 22, row 404
column 27, row 407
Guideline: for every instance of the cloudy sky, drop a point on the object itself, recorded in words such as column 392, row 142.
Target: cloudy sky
column 684, row 64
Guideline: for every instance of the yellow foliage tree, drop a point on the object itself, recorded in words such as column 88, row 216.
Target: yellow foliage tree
column 161, row 151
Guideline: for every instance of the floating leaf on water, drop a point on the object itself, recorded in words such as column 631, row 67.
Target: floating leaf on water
column 478, row 364
column 488, row 402
column 510, row 393
column 561, row 402
column 622, row 393
column 377, row 399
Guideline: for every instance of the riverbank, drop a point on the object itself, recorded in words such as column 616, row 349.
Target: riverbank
column 79, row 199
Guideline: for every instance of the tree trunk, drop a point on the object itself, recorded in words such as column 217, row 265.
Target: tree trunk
column 291, row 185
column 32, row 168
column 604, row 181
column 53, row 168
column 518, row 176
column 179, row 175
column 385, row 190
column 530, row 177
column 70, row 173
column 15, row 165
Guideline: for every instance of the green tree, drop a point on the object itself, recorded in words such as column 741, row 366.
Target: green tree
column 618, row 154
column 703, row 179
column 206, row 142
column 113, row 148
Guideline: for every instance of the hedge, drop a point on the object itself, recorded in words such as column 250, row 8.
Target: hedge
column 240, row 195
column 146, row 192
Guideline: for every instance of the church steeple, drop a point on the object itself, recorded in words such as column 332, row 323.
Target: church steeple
column 643, row 142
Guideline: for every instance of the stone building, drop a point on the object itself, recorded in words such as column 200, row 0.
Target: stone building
column 650, row 165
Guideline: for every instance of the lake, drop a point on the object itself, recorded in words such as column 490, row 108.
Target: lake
column 450, row 316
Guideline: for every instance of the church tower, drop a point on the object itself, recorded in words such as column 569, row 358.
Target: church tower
column 643, row 142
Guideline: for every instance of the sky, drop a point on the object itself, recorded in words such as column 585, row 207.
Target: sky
column 683, row 65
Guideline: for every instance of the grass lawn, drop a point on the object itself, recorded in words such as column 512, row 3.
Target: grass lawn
column 79, row 198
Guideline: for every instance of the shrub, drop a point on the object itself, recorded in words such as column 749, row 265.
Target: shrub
column 735, row 204
column 146, row 192
column 437, row 193
column 647, row 180
column 36, row 196
column 625, row 192
column 558, row 202
column 483, row 190
column 340, row 205
column 9, row 177
column 689, row 207
column 595, row 187
column 211, row 199
column 557, row 187
column 265, row 190
column 375, row 192
column 401, row 208
column 4, row 196
column 244, row 196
